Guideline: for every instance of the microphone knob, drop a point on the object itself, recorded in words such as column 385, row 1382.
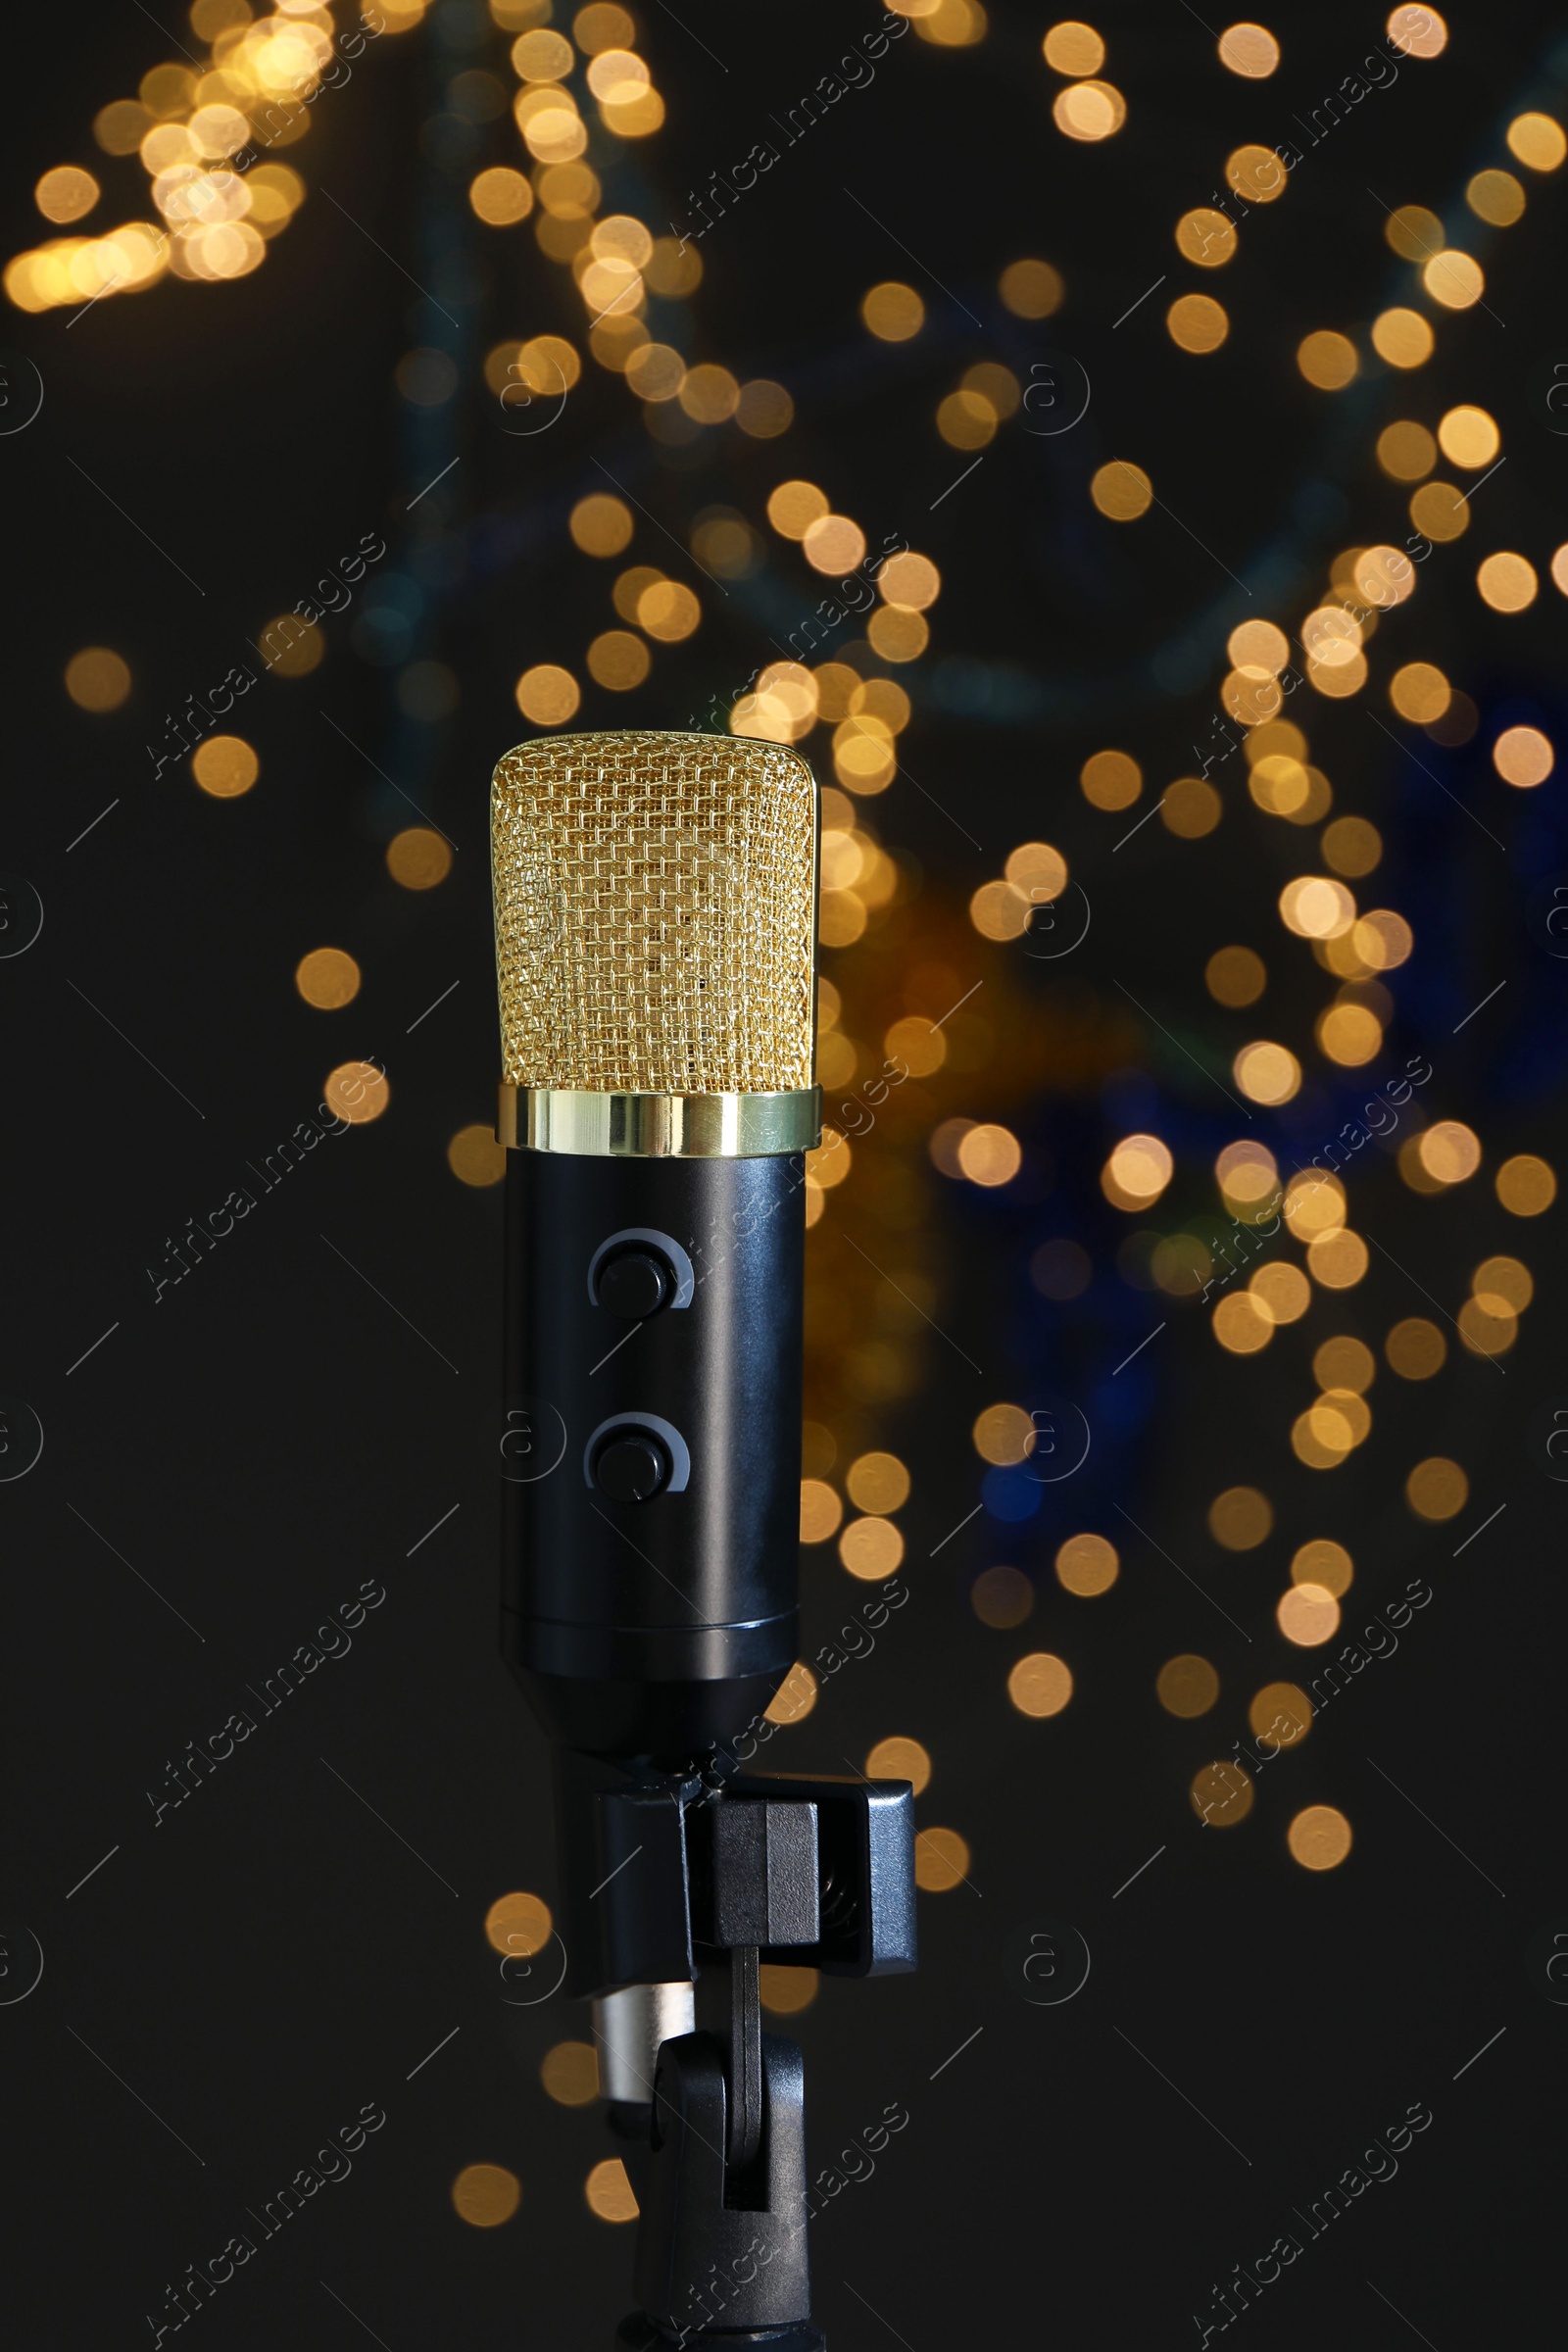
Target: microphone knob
column 634, row 1284
column 631, row 1467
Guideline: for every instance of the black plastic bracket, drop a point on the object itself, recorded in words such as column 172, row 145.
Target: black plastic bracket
column 721, row 2248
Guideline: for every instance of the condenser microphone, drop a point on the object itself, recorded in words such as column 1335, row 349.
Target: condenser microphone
column 656, row 928
column 655, row 906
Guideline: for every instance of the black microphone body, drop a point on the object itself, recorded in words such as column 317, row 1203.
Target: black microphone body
column 653, row 1445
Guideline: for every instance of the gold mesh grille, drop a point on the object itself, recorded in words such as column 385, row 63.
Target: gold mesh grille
column 655, row 914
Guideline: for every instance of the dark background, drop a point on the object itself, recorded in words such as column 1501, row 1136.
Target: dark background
column 270, row 1433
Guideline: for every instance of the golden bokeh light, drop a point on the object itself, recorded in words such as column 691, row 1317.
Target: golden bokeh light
column 501, row 196
column 1086, row 1565
column 967, row 419
column 1111, row 780
column 1040, row 1684
column 1307, row 1614
column 608, row 2191
column 1314, row 907
column 1324, row 1563
column 1352, row 847
column 65, row 194
column 1407, row 452
column 1402, row 337
column 870, row 1549
column 1414, row 233
column 1221, row 1795
column 909, row 582
column 1122, row 492
column 1506, row 1278
column 1314, row 1204
column 1268, row 1072
column 1488, row 1327
column 1189, row 807
column 710, row 395
column 667, row 610
column 1415, row 1348
column 820, row 1510
column 1089, row 110
column 878, row 1483
column 1187, row 1685
column 796, row 1696
column 1038, row 870
column 97, row 679
column 1074, row 49
column 1524, row 757
column 1436, row 1489
column 1241, row 1518
column 990, row 1155
column 1349, row 1034
column 1345, row 1363
column 1507, row 582
column 785, row 1990
column 1241, row 1324
column 1250, row 51
column 1138, row 1171
column 617, row 661
column 1538, row 141
column 601, row 526
column 893, row 310
column 1526, row 1185
column 1468, row 436
column 1420, row 691
column 1281, row 1291
column 1031, row 289
column 475, row 1158
column 896, row 1759
column 1449, row 1151
column 225, row 767
column 1454, row 279
column 1234, row 977
column 1257, row 173
column 600, row 25
column 327, row 978
column 941, row 1860
column 1206, row 237
column 1417, row 30
column 794, row 506
column 520, row 1925
column 485, row 2195
column 548, row 695
column 1319, row 1838
column 1338, row 1260
column 292, row 647
column 1004, row 1434
column 569, row 2074
column 833, row 543
column 418, row 857
column 1496, row 198
column 1280, row 1715
column 1327, row 360
column 764, row 410
column 357, row 1091
column 1440, row 512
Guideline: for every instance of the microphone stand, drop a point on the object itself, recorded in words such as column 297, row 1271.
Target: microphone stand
column 665, row 1875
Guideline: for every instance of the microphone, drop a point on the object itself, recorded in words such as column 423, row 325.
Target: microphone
column 655, row 906
column 656, row 932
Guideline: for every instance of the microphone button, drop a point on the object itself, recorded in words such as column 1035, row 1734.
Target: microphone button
column 631, row 1467
column 635, row 1284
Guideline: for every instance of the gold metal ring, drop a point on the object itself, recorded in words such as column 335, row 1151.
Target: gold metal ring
column 547, row 1118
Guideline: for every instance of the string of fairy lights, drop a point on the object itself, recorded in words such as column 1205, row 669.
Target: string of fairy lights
column 204, row 135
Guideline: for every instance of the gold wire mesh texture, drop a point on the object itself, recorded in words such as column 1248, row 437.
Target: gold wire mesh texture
column 656, row 913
